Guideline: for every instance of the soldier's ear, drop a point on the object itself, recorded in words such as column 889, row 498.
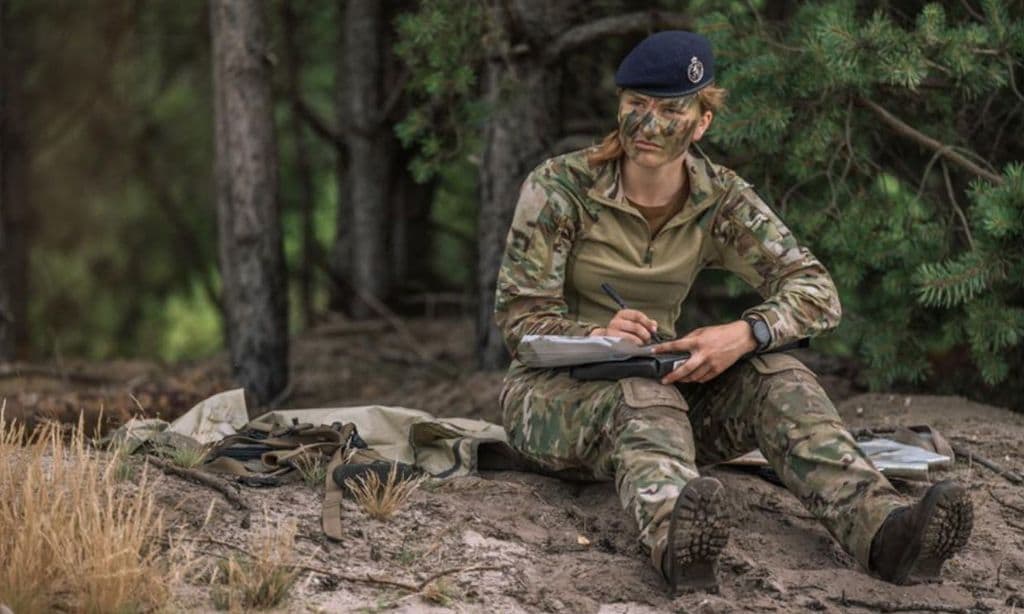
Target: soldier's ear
column 703, row 124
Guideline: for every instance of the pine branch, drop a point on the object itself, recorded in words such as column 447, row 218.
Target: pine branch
column 904, row 129
column 618, row 25
column 954, row 282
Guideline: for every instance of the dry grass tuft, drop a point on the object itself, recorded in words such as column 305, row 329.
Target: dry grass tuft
column 313, row 469
column 189, row 457
column 74, row 537
column 381, row 499
column 440, row 592
column 261, row 580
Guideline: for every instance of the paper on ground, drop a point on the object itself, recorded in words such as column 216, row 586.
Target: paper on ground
column 545, row 351
column 890, row 457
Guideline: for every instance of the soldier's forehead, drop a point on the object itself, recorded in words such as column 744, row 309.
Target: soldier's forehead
column 670, row 100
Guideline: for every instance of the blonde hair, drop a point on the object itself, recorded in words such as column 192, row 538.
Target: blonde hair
column 711, row 98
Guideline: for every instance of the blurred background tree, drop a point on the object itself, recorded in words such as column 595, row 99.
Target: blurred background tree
column 886, row 133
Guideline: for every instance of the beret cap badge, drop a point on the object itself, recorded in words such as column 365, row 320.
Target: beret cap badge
column 695, row 71
column 668, row 64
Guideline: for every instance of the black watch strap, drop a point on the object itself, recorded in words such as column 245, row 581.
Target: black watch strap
column 762, row 333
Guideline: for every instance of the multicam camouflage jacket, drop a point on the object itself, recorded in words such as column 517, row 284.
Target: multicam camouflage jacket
column 573, row 229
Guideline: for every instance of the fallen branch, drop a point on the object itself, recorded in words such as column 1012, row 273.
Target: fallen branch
column 911, row 606
column 963, row 452
column 946, row 151
column 200, row 478
column 1016, row 508
column 333, row 576
column 367, row 579
column 455, row 570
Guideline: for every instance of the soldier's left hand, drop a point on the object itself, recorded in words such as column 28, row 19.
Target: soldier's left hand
column 712, row 349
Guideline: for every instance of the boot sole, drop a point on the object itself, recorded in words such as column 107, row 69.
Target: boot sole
column 698, row 531
column 947, row 517
column 946, row 532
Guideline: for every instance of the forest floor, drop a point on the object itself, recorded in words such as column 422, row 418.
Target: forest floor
column 518, row 542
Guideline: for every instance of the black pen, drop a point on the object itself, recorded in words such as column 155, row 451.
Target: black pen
column 610, row 291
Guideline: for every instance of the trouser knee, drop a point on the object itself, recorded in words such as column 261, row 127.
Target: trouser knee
column 652, row 419
column 794, row 396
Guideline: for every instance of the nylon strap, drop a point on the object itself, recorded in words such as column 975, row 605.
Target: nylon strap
column 330, row 513
column 282, row 448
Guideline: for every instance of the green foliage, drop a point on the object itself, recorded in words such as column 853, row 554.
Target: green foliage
column 440, row 43
column 929, row 258
column 121, row 174
column 986, row 284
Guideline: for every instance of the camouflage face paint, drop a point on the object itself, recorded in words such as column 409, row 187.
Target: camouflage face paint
column 667, row 123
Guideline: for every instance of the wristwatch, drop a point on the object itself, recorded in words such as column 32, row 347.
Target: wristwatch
column 762, row 334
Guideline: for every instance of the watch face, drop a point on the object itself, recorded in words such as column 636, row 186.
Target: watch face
column 761, row 332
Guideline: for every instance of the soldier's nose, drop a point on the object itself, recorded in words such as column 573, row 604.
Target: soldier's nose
column 649, row 125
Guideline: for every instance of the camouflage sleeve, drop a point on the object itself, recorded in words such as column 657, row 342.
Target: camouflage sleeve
column 529, row 297
column 800, row 299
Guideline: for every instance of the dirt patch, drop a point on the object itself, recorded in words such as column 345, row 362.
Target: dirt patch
column 526, row 531
column 516, row 542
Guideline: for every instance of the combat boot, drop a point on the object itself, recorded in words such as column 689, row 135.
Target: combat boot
column 697, row 532
column 917, row 539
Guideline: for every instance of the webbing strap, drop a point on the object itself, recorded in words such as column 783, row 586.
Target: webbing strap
column 285, row 458
column 330, row 513
column 282, row 447
column 286, row 441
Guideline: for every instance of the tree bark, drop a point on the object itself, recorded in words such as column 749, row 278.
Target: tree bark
column 14, row 192
column 341, row 250
column 371, row 150
column 303, row 169
column 248, row 218
column 411, row 232
column 6, row 317
column 522, row 92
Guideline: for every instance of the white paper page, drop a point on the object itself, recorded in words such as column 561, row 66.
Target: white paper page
column 545, row 351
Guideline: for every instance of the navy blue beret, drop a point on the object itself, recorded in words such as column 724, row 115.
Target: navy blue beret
column 670, row 63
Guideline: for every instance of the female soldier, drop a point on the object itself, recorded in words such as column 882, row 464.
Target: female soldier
column 646, row 214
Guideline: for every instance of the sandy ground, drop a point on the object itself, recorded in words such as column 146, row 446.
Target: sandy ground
column 516, row 542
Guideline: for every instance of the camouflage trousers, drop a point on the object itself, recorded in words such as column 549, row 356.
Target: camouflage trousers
column 650, row 438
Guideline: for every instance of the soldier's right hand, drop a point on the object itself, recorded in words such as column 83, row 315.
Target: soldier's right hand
column 629, row 324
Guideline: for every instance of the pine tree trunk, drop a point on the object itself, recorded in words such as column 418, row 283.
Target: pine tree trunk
column 6, row 317
column 249, row 231
column 371, row 149
column 303, row 169
column 411, row 236
column 523, row 95
column 341, row 250
column 14, row 192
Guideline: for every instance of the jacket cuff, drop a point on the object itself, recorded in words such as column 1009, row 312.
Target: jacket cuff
column 775, row 327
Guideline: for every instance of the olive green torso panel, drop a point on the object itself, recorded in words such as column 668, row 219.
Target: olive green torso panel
column 652, row 273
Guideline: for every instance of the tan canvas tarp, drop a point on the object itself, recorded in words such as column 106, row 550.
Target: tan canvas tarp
column 442, row 447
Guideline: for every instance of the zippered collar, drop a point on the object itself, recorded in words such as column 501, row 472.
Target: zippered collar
column 608, row 190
